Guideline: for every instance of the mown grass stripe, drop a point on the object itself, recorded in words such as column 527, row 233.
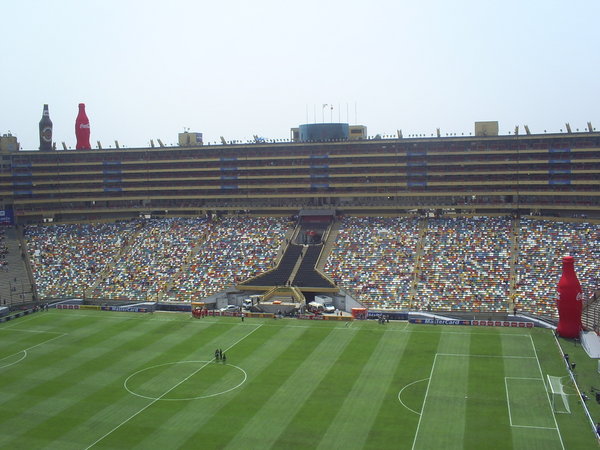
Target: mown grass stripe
column 352, row 422
column 68, row 386
column 486, row 392
column 288, row 398
column 445, row 397
column 395, row 425
column 178, row 382
column 312, row 420
column 551, row 437
column 181, row 348
column 30, row 377
column 97, row 402
column 185, row 424
column 80, row 377
column 129, row 421
column 14, row 342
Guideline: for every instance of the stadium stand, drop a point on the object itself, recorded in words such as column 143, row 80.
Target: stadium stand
column 237, row 248
column 374, row 259
column 453, row 264
column 282, row 272
column 465, row 264
column 67, row 259
column 3, row 250
column 541, row 244
column 426, row 222
column 151, row 258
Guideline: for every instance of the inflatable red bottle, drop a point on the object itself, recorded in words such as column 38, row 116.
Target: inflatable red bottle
column 569, row 301
column 82, row 129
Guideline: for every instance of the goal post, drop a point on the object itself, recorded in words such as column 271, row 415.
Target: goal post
column 560, row 401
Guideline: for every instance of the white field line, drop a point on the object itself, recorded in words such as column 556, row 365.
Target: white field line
column 508, row 402
column 506, row 387
column 166, row 392
column 523, row 378
column 30, row 331
column 486, row 356
column 531, row 426
column 404, row 330
column 402, row 390
column 24, row 351
column 424, row 401
column 547, row 395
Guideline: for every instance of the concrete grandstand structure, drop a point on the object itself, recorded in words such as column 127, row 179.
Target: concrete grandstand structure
column 441, row 202
column 547, row 173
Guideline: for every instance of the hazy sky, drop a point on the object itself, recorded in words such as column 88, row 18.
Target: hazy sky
column 147, row 69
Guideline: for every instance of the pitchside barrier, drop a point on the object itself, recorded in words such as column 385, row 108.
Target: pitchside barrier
column 319, row 317
column 16, row 315
column 146, row 307
column 475, row 323
column 214, row 313
column 392, row 315
column 140, row 309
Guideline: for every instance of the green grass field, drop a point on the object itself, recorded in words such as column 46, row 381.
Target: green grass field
column 90, row 379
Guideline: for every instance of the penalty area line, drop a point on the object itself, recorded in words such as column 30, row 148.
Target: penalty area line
column 24, row 351
column 166, row 392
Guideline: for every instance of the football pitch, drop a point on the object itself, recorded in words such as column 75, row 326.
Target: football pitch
column 90, row 379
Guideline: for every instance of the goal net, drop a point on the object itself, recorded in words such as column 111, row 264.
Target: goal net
column 560, row 401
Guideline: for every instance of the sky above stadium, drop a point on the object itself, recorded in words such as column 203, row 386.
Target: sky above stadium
column 152, row 69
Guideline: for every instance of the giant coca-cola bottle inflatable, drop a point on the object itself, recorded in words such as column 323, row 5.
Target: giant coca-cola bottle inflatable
column 82, row 129
column 569, row 301
column 45, row 130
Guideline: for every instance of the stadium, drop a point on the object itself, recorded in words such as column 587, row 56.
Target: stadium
column 124, row 268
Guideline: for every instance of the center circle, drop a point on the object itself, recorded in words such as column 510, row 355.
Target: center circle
column 185, row 380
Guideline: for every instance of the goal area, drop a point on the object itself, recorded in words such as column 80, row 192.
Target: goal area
column 560, row 401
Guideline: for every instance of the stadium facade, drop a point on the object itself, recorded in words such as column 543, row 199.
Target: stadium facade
column 550, row 174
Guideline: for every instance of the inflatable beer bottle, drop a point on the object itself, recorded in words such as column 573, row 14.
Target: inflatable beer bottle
column 45, row 131
column 569, row 301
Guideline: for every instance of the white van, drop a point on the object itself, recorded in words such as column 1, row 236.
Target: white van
column 329, row 308
column 316, row 308
column 327, row 303
column 320, row 308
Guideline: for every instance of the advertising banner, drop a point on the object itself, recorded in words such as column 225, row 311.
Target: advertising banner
column 440, row 321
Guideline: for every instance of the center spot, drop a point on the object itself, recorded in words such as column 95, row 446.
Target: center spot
column 185, row 380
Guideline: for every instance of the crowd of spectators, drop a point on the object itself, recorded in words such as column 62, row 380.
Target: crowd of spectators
column 237, row 248
column 373, row 258
column 3, row 249
column 66, row 260
column 541, row 246
column 185, row 258
column 443, row 263
column 151, row 258
column 465, row 264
